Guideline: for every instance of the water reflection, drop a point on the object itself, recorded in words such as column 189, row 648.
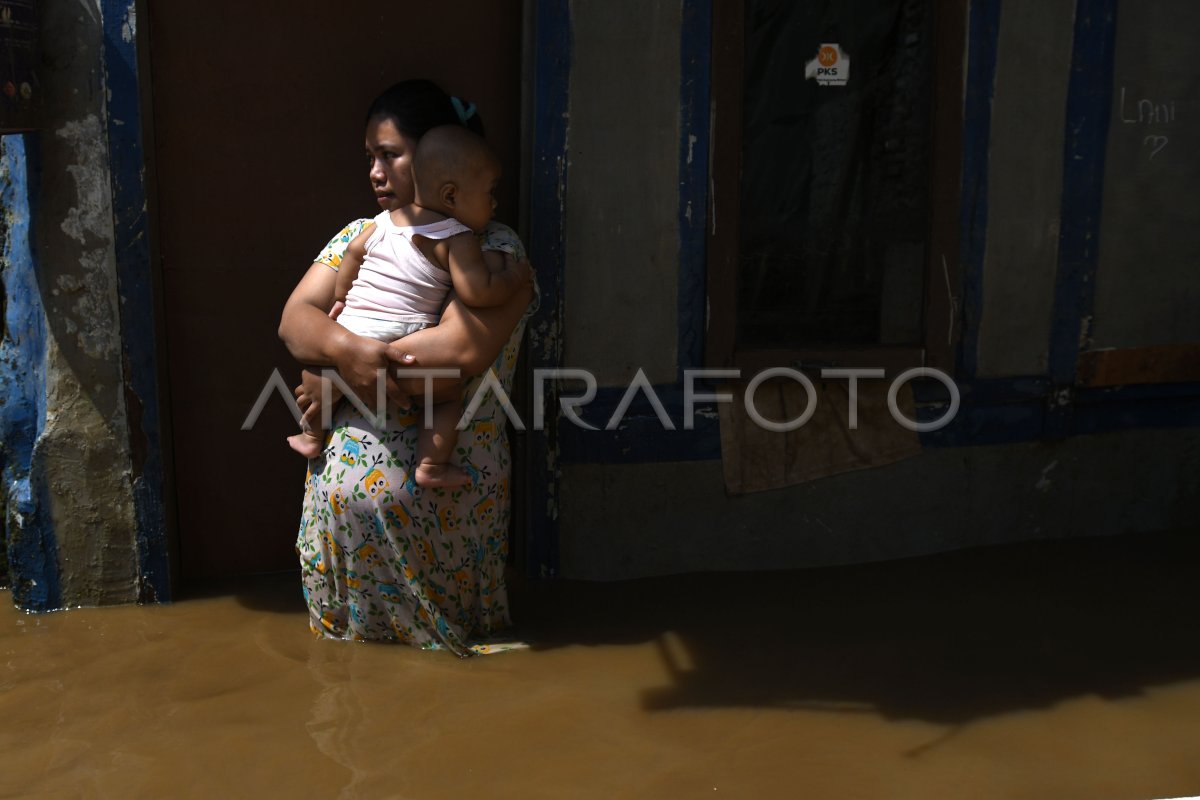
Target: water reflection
column 1048, row 670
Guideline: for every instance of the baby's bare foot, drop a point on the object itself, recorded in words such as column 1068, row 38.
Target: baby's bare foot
column 307, row 444
column 441, row 476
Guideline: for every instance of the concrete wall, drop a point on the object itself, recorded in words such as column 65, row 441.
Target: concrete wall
column 622, row 199
column 79, row 470
column 1147, row 281
column 1024, row 201
column 633, row 520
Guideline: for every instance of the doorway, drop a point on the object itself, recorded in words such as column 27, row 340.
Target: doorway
column 255, row 153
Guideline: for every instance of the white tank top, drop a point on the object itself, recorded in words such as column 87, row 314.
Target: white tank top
column 397, row 282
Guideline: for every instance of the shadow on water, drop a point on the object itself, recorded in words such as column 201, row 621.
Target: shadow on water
column 946, row 639
column 274, row 592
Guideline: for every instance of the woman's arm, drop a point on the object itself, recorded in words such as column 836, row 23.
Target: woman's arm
column 467, row 338
column 313, row 338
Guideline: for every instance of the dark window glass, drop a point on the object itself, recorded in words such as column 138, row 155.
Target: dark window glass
column 835, row 179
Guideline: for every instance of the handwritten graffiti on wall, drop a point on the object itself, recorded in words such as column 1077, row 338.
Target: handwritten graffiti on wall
column 1151, row 112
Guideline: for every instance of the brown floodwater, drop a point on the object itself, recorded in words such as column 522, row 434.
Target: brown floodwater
column 1052, row 670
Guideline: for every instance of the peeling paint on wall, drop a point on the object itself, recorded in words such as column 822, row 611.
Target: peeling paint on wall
column 129, row 25
column 92, row 189
column 89, row 222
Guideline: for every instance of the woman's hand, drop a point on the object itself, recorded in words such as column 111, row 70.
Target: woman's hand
column 501, row 260
column 363, row 363
column 358, row 367
column 308, row 399
column 521, row 267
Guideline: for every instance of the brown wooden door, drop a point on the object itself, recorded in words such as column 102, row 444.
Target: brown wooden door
column 257, row 160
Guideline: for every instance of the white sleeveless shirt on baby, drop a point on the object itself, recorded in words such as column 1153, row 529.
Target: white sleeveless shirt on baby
column 397, row 283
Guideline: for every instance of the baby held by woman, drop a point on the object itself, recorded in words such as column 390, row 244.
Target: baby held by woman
column 397, row 273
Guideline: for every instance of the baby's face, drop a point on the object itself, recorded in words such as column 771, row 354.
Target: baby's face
column 476, row 200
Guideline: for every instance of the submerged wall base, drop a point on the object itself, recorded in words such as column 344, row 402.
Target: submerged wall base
column 636, row 520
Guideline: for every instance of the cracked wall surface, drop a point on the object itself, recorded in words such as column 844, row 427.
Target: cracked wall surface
column 80, row 462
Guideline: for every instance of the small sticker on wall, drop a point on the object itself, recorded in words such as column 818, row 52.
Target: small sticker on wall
column 831, row 67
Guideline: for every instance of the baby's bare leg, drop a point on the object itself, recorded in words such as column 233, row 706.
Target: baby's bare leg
column 311, row 439
column 435, row 447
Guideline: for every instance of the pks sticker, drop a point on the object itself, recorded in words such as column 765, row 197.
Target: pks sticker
column 831, row 67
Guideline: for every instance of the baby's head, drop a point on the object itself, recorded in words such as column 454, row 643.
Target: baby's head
column 455, row 173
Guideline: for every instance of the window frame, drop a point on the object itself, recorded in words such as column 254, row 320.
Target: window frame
column 941, row 320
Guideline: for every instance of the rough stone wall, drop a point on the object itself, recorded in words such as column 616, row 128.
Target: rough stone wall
column 81, row 457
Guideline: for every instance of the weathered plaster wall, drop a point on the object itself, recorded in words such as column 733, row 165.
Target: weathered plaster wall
column 1148, row 276
column 81, row 457
column 622, row 199
column 1025, row 186
column 625, row 521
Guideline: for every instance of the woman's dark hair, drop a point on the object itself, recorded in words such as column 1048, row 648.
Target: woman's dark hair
column 415, row 106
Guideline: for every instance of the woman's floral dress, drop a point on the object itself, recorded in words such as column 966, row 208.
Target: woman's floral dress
column 383, row 559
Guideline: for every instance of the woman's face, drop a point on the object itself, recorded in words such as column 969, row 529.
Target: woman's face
column 389, row 156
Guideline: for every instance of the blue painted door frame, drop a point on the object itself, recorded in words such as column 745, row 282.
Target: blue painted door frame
column 135, row 285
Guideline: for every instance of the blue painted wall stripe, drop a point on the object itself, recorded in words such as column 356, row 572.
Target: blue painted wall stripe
column 1089, row 108
column 993, row 412
column 982, row 45
column 694, row 101
column 136, row 290
column 640, row 437
column 32, row 552
column 552, row 71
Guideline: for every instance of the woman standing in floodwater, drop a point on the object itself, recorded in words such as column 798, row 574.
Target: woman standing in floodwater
column 381, row 558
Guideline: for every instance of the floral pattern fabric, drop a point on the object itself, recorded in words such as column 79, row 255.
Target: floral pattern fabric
column 383, row 559
column 335, row 251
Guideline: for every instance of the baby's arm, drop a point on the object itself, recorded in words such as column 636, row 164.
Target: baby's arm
column 352, row 261
column 475, row 283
